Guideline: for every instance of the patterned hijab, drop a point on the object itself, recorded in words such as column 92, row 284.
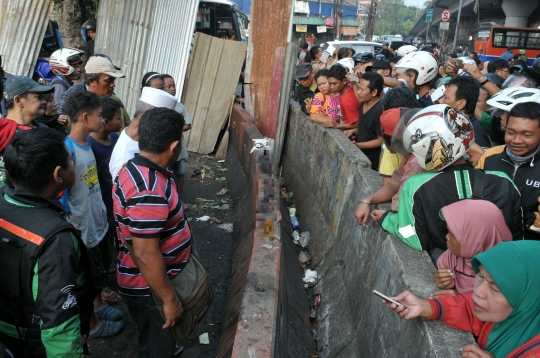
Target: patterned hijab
column 514, row 268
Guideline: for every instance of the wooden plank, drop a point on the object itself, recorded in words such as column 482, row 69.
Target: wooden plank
column 273, row 95
column 214, row 68
column 288, row 77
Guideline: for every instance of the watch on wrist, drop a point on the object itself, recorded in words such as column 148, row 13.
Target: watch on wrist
column 486, row 81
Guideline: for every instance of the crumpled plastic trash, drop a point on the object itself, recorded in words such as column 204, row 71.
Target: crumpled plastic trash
column 304, row 239
column 304, row 258
column 204, row 338
column 222, row 192
column 204, row 218
column 296, row 237
column 310, row 277
column 226, row 227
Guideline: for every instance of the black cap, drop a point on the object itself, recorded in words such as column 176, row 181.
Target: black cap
column 303, row 70
column 379, row 64
column 18, row 85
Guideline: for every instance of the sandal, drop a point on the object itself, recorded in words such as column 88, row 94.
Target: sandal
column 107, row 329
column 108, row 296
column 109, row 313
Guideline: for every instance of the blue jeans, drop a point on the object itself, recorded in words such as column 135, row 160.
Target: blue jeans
column 153, row 340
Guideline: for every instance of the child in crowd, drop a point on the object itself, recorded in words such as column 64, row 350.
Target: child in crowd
column 474, row 226
column 325, row 105
column 86, row 210
column 50, row 118
column 102, row 144
column 179, row 167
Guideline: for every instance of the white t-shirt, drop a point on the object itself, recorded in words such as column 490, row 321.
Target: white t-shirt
column 180, row 108
column 123, row 151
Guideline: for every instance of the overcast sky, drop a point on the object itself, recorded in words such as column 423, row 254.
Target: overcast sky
column 417, row 3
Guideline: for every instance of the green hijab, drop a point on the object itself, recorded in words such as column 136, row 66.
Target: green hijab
column 514, row 266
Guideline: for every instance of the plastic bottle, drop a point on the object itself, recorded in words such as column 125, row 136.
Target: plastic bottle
column 294, row 221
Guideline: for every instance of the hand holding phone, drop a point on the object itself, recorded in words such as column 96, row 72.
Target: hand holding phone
column 391, row 300
column 324, row 56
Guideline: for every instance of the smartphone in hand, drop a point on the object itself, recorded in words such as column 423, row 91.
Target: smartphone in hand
column 388, row 298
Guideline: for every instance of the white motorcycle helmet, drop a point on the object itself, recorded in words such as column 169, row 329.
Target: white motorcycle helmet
column 437, row 136
column 422, row 62
column 61, row 60
column 405, row 49
column 507, row 98
column 348, row 63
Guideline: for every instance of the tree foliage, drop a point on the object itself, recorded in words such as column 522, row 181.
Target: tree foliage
column 394, row 17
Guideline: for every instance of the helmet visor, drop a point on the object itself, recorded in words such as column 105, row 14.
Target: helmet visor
column 519, row 79
column 399, row 145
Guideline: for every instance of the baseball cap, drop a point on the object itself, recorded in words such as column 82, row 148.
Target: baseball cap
column 379, row 64
column 98, row 64
column 390, row 118
column 108, row 58
column 303, row 70
column 18, row 85
column 158, row 98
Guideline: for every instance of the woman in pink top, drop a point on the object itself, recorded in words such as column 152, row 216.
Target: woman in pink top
column 474, row 226
column 325, row 106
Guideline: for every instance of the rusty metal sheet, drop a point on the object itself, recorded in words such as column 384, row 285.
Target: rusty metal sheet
column 270, row 24
column 213, row 72
column 22, row 29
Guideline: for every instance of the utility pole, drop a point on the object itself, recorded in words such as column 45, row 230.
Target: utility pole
column 457, row 25
column 371, row 20
column 339, row 19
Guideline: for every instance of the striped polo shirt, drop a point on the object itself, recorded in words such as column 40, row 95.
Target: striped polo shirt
column 146, row 205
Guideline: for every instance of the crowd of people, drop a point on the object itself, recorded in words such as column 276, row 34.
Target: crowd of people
column 91, row 180
column 457, row 144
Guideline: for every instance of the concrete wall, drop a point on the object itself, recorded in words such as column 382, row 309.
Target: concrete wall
column 328, row 176
column 266, row 311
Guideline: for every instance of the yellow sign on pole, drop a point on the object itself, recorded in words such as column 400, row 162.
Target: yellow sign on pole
column 301, row 28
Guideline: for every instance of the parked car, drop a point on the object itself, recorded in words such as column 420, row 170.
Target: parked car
column 357, row 46
column 217, row 16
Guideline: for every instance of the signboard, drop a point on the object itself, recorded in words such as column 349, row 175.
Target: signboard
column 445, row 15
column 301, row 7
column 321, row 29
column 444, row 26
column 330, row 21
column 429, row 14
column 349, row 30
column 301, row 28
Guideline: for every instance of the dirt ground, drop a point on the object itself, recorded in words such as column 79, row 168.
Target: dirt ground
column 214, row 246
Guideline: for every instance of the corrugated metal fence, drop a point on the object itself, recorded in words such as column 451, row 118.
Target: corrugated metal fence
column 146, row 35
column 22, row 27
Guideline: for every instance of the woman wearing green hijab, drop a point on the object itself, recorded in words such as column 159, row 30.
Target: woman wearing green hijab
column 503, row 310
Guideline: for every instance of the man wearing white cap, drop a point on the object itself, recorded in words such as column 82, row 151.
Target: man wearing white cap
column 99, row 79
column 128, row 142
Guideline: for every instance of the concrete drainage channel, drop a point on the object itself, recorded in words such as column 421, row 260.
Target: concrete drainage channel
column 267, row 310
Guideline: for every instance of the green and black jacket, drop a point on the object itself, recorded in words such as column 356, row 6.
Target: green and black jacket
column 418, row 221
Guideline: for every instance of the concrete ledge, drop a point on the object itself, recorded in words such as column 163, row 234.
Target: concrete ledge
column 252, row 296
column 328, row 176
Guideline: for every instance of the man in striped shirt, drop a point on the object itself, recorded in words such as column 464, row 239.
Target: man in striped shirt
column 151, row 220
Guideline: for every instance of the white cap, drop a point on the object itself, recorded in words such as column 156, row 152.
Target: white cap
column 97, row 64
column 157, row 98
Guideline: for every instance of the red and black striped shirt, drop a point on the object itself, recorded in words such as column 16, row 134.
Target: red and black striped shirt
column 146, row 205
